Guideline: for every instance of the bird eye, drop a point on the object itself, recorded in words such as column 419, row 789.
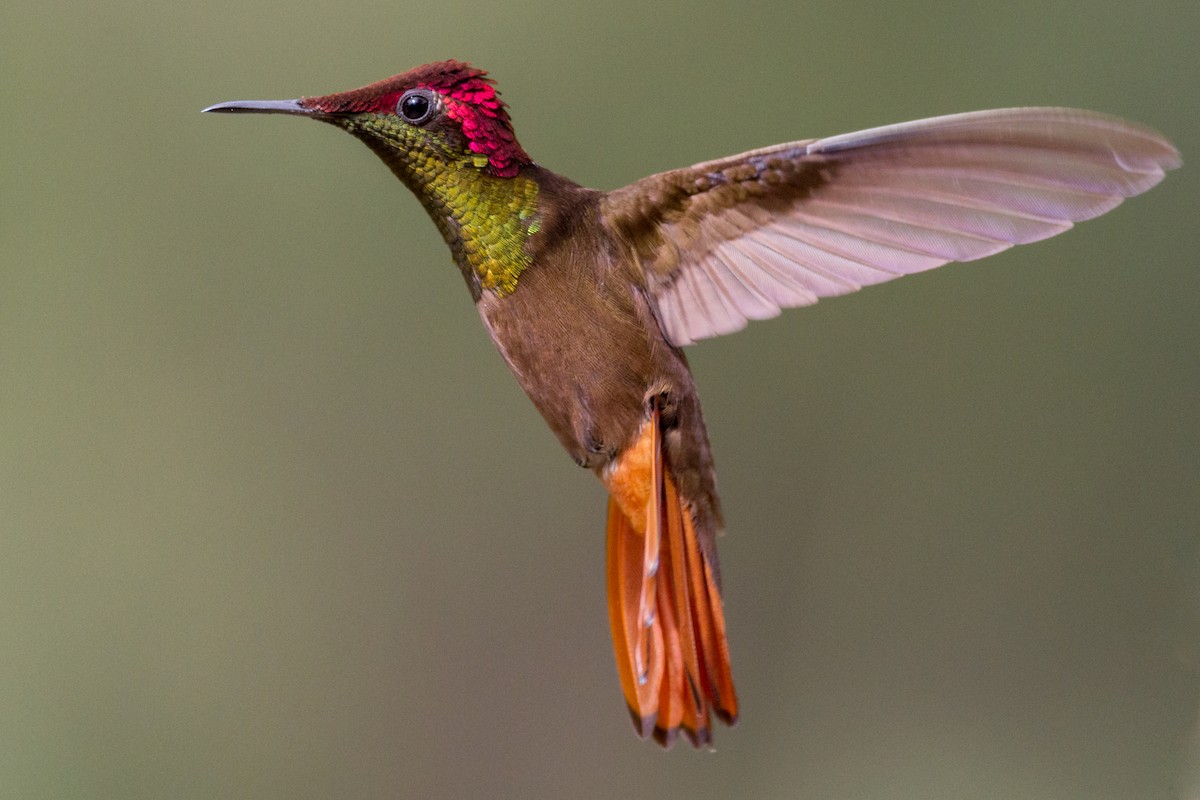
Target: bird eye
column 416, row 107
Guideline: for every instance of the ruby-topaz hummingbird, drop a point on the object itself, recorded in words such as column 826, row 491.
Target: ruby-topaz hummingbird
column 590, row 297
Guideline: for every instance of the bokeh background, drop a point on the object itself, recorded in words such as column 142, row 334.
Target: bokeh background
column 275, row 522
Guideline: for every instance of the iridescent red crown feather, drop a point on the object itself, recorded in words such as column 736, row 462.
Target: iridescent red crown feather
column 471, row 100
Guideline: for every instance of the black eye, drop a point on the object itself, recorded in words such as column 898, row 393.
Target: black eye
column 416, row 107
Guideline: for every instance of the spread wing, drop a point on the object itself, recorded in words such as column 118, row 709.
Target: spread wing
column 740, row 238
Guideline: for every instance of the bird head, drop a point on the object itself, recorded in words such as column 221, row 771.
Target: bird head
column 419, row 122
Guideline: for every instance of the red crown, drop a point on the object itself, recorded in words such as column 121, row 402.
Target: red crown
column 471, row 100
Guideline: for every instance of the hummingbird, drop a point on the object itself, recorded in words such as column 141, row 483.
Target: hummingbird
column 591, row 295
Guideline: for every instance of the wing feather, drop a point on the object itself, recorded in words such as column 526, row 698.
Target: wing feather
column 740, row 238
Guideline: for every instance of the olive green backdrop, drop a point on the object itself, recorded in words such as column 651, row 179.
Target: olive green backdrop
column 275, row 522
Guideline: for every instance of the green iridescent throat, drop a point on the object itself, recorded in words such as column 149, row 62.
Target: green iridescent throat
column 484, row 219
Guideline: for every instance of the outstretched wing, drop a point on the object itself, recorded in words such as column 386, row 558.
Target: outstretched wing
column 740, row 238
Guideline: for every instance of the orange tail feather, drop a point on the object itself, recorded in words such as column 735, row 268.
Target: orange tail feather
column 667, row 622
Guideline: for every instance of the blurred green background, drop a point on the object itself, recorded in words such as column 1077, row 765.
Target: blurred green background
column 275, row 522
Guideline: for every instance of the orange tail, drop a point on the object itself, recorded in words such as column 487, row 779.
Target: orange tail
column 667, row 624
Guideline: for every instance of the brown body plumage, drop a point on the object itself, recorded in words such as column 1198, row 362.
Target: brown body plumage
column 590, row 295
column 580, row 303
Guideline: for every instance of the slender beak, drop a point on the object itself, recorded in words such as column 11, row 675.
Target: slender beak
column 261, row 107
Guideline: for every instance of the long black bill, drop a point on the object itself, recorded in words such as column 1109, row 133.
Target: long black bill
column 261, row 107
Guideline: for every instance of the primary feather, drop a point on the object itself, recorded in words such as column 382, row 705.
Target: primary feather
column 740, row 238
